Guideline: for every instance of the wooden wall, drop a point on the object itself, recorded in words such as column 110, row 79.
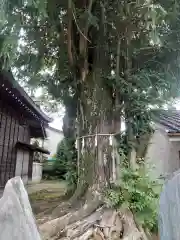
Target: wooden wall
column 12, row 130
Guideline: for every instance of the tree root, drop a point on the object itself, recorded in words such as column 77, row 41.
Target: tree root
column 65, row 207
column 51, row 228
column 94, row 222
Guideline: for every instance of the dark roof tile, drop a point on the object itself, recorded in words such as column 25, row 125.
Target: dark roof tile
column 170, row 119
column 7, row 79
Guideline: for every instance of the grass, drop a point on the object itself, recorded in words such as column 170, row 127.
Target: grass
column 44, row 195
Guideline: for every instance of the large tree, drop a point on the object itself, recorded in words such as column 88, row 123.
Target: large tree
column 106, row 61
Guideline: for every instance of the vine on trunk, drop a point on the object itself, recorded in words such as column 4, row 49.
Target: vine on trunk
column 135, row 191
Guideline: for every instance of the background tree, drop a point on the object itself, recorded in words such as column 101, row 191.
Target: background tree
column 66, row 163
column 106, row 61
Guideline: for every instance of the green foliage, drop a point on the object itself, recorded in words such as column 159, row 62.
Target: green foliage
column 65, row 164
column 40, row 28
column 138, row 193
column 142, row 75
column 60, row 163
column 48, row 171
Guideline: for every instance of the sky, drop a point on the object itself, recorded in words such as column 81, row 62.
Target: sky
column 177, row 105
column 56, row 116
column 57, row 122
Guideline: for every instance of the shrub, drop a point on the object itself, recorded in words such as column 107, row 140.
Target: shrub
column 48, row 170
column 59, row 165
column 70, row 159
column 138, row 193
column 65, row 164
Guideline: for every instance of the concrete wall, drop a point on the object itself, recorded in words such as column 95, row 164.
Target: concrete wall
column 53, row 138
column 162, row 154
column 36, row 172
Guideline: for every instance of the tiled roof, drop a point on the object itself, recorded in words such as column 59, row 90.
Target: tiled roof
column 170, row 119
column 18, row 95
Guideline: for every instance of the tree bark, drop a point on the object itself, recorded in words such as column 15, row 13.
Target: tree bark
column 100, row 124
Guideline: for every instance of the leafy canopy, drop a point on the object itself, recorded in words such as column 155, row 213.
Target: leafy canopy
column 134, row 47
column 41, row 28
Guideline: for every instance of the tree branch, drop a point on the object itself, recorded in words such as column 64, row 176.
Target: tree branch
column 69, row 35
column 74, row 17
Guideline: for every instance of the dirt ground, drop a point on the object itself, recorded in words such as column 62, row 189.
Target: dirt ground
column 45, row 196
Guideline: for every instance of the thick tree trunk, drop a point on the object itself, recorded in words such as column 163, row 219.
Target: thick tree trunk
column 98, row 126
column 98, row 123
column 97, row 168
